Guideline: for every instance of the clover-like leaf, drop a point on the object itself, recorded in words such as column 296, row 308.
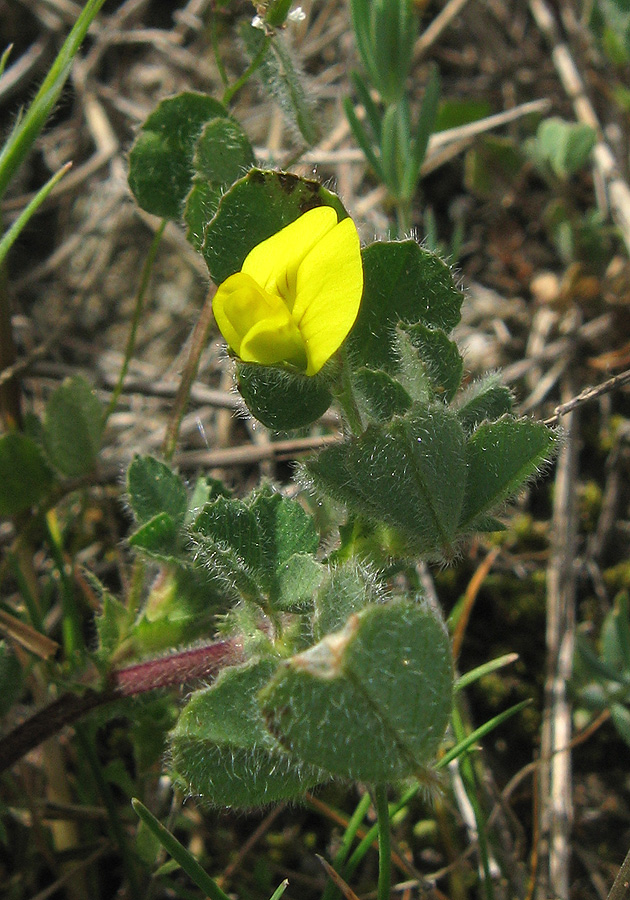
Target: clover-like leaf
column 380, row 395
column 500, row 457
column 255, row 208
column 161, row 166
column 73, row 427
column 281, row 400
column 485, row 400
column 222, row 751
column 403, row 283
column 433, row 354
column 154, row 489
column 370, row 702
column 222, row 154
column 409, row 473
column 25, row 476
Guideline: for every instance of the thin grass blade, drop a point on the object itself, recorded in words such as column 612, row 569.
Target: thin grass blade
column 179, row 853
column 22, row 220
column 22, row 137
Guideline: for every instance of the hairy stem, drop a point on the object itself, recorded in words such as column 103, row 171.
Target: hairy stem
column 131, row 340
column 197, row 344
column 176, row 670
column 344, row 394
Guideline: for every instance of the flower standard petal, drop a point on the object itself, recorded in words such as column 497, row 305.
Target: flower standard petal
column 328, row 293
column 297, row 296
column 273, row 264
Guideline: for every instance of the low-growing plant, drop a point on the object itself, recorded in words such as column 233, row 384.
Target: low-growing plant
column 311, row 659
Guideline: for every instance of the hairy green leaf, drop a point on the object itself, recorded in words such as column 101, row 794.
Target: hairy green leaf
column 25, row 477
column 221, row 749
column 403, row 283
column 369, row 702
column 281, row 400
column 153, row 489
column 73, row 427
column 161, row 165
column 500, row 457
column 409, row 474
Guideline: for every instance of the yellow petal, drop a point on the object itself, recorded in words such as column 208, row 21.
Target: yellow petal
column 328, row 293
column 239, row 304
column 273, row 264
column 275, row 341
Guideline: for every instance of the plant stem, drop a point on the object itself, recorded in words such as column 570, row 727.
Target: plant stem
column 197, row 344
column 247, row 74
column 215, row 47
column 10, row 394
column 403, row 218
column 73, row 643
column 344, row 394
column 180, row 854
column 332, row 891
column 384, row 848
column 176, row 670
column 137, row 312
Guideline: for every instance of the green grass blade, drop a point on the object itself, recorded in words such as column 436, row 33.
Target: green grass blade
column 279, row 891
column 471, row 786
column 5, row 58
column 179, row 853
column 372, row 113
column 426, row 123
column 12, row 234
column 372, row 834
column 362, row 139
column 331, row 891
column 360, row 12
column 479, row 672
column 24, row 135
column 480, row 733
column 384, row 842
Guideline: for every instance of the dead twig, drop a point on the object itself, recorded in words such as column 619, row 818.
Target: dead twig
column 588, row 394
column 554, row 785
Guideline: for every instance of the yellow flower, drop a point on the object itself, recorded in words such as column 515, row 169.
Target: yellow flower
column 297, row 295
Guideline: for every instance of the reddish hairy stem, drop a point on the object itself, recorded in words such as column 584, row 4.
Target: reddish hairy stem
column 177, row 670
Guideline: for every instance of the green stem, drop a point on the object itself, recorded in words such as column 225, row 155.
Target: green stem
column 247, row 74
column 403, row 218
column 332, row 891
column 198, row 342
column 344, row 394
column 384, row 848
column 369, row 838
column 10, row 237
column 215, row 48
column 470, row 781
column 131, row 340
column 10, row 391
column 73, row 643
